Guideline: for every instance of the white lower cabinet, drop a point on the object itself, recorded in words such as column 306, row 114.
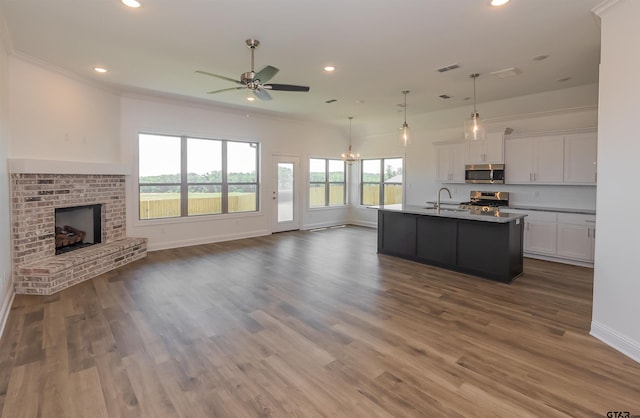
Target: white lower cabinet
column 540, row 232
column 563, row 237
column 576, row 236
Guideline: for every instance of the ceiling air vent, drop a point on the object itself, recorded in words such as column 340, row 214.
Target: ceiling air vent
column 448, row 68
column 331, row 101
column 507, row 72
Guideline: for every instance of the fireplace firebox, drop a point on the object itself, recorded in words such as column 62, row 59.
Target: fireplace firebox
column 77, row 227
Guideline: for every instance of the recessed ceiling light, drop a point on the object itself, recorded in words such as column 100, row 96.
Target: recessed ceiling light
column 444, row 96
column 131, row 3
column 329, row 68
column 331, row 101
column 540, row 57
column 497, row 3
column 251, row 98
column 99, row 69
column 562, row 80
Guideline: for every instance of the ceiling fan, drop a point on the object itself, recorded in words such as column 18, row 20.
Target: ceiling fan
column 256, row 82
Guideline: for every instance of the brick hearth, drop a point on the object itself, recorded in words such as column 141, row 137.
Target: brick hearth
column 34, row 198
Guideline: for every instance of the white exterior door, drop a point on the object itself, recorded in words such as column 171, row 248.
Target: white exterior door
column 285, row 195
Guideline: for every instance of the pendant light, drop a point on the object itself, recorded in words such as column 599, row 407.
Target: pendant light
column 350, row 156
column 405, row 136
column 473, row 127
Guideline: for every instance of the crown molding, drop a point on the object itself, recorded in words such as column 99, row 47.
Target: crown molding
column 604, row 6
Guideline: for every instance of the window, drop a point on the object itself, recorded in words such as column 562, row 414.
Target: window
column 381, row 181
column 181, row 176
column 327, row 182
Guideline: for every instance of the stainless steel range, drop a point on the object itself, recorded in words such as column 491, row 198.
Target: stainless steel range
column 486, row 201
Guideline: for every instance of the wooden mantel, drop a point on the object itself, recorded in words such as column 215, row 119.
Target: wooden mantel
column 33, row 166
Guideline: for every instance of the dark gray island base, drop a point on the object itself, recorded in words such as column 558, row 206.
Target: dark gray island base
column 484, row 245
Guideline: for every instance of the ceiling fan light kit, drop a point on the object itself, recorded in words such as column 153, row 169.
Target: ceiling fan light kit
column 405, row 135
column 473, row 126
column 256, row 81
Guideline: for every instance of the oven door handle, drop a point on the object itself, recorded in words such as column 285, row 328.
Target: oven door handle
column 491, row 175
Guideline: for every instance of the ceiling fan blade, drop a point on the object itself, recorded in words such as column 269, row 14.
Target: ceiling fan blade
column 286, row 87
column 266, row 73
column 230, row 88
column 218, row 76
column 262, row 94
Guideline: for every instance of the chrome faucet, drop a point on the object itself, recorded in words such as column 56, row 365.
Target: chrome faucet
column 438, row 202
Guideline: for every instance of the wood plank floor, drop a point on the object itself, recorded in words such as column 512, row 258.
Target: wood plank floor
column 311, row 324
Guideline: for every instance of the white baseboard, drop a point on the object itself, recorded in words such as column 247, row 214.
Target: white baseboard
column 209, row 240
column 5, row 307
column 368, row 224
column 558, row 260
column 620, row 342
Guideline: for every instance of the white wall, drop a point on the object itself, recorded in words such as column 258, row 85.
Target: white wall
column 56, row 116
column 559, row 110
column 276, row 136
column 616, row 308
column 6, row 284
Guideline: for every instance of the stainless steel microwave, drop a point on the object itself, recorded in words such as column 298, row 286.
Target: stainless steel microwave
column 484, row 173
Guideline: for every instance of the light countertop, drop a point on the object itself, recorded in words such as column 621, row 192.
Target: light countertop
column 450, row 212
column 552, row 209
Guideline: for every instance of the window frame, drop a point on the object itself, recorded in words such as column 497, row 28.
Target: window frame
column 184, row 183
column 381, row 183
column 327, row 184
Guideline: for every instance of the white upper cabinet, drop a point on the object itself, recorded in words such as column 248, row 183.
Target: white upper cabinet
column 552, row 159
column 450, row 163
column 537, row 160
column 580, row 158
column 487, row 151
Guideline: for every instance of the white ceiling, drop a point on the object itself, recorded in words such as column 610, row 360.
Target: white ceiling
column 379, row 47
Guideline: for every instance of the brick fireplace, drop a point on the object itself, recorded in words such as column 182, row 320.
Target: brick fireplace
column 34, row 200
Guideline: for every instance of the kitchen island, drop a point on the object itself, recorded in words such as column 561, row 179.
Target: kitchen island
column 483, row 244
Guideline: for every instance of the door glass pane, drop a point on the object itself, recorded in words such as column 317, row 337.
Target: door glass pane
column 285, row 192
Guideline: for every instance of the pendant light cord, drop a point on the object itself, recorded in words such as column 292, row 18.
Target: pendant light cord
column 405, row 92
column 350, row 119
column 474, row 76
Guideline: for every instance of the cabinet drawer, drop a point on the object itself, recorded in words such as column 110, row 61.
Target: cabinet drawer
column 576, row 219
column 536, row 215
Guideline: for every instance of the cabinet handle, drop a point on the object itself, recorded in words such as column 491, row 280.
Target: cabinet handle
column 594, row 232
column 588, row 232
column 530, row 176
